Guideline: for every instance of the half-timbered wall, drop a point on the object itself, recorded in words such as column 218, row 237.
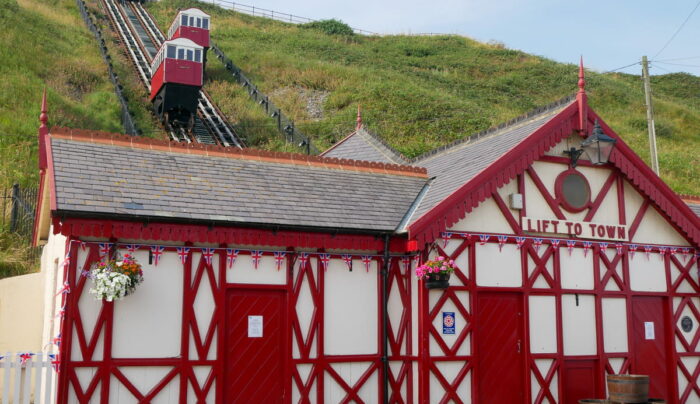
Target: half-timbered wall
column 168, row 340
column 581, row 304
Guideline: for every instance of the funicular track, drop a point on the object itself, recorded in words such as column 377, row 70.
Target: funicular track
column 142, row 39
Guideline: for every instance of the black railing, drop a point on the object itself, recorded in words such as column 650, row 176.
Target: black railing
column 285, row 126
column 126, row 116
column 18, row 205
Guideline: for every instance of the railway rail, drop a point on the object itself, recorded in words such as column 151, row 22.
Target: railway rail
column 142, row 38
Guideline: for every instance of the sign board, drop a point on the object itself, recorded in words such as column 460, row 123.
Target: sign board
column 448, row 322
column 648, row 330
column 255, row 326
column 596, row 231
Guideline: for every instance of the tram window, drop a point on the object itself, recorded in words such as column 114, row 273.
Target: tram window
column 199, row 22
column 197, row 55
column 190, row 54
column 181, row 54
column 184, row 20
column 205, row 23
column 191, row 21
column 171, row 52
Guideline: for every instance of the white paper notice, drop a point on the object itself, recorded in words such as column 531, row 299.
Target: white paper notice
column 648, row 330
column 255, row 326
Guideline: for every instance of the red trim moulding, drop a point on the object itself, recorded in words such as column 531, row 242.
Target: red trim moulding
column 78, row 227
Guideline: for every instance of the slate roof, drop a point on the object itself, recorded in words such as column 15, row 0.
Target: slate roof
column 94, row 177
column 455, row 164
column 364, row 145
column 695, row 207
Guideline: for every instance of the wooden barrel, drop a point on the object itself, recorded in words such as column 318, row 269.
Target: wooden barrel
column 628, row 388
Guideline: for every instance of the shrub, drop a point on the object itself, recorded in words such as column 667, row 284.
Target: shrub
column 330, row 27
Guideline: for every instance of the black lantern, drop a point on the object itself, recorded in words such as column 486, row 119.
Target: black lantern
column 597, row 146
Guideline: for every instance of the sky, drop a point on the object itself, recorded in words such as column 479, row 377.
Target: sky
column 608, row 34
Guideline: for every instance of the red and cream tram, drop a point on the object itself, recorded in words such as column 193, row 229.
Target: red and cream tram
column 176, row 80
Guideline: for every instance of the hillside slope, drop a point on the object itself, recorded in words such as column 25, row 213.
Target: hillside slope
column 418, row 93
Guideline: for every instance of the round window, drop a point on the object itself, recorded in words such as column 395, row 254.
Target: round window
column 574, row 190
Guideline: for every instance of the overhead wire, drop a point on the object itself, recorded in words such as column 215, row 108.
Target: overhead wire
column 623, row 67
column 678, row 30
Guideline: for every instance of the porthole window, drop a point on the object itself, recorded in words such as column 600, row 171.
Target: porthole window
column 573, row 191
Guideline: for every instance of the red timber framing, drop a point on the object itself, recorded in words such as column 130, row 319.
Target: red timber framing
column 544, row 265
column 202, row 343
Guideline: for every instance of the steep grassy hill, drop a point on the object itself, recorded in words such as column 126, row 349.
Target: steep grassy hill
column 422, row 92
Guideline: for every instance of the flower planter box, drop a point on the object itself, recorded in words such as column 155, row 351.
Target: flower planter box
column 437, row 280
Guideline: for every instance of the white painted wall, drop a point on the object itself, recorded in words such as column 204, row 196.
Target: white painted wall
column 647, row 275
column 543, row 324
column 351, row 372
column 243, row 271
column 614, row 324
column 576, row 269
column 486, row 217
column 351, row 308
column 655, row 229
column 498, row 268
column 578, row 323
column 460, row 323
column 144, row 379
column 52, row 257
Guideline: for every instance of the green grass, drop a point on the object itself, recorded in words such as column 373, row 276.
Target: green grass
column 421, row 92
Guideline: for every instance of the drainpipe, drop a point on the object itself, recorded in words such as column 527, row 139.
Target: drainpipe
column 385, row 319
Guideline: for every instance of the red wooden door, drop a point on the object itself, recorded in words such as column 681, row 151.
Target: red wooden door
column 499, row 348
column 579, row 378
column 255, row 347
column 650, row 352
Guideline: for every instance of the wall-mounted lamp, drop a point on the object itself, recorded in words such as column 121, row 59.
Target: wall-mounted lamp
column 597, row 146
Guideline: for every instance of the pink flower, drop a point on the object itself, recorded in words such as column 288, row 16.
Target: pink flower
column 441, row 258
column 452, row 263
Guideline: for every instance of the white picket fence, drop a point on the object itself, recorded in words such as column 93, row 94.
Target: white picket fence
column 31, row 382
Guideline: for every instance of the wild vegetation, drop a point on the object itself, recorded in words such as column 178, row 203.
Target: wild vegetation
column 420, row 92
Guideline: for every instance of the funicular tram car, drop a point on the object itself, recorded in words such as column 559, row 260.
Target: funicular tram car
column 176, row 81
column 193, row 24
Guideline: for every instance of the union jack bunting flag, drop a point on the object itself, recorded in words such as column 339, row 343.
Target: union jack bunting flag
column 673, row 250
column 367, row 260
column 586, row 247
column 347, row 259
column 446, row 236
column 685, row 252
column 570, row 244
column 618, row 247
column 208, row 255
column 256, row 256
column 603, row 246
column 279, row 259
column 554, row 242
column 132, row 248
column 65, row 289
column 537, row 243
column 632, row 248
column 406, row 262
column 303, row 259
column 647, row 250
column 55, row 362
column 325, row 260
column 663, row 251
column 231, row 256
column 56, row 340
column 156, row 253
column 483, row 238
column 520, row 241
column 183, row 253
column 416, row 259
column 501, row 242
column 66, row 261
column 105, row 249
column 24, row 357
column 61, row 312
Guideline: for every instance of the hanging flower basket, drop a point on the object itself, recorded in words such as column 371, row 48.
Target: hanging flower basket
column 115, row 279
column 436, row 273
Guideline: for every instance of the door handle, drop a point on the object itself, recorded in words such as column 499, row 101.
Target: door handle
column 517, row 346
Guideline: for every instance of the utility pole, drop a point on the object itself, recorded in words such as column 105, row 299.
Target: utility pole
column 650, row 115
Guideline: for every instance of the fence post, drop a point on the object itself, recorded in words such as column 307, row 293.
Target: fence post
column 13, row 211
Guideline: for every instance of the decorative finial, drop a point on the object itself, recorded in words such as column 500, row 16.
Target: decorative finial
column 359, row 118
column 581, row 77
column 44, row 117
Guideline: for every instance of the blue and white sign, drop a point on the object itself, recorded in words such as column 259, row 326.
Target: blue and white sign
column 448, row 322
